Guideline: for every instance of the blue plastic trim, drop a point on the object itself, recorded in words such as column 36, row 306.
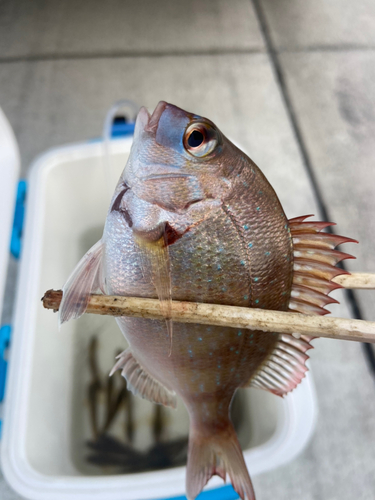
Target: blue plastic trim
column 222, row 493
column 119, row 130
column 19, row 215
column 5, row 332
column 122, row 129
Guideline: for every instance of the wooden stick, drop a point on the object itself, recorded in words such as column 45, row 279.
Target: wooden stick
column 237, row 317
column 356, row 280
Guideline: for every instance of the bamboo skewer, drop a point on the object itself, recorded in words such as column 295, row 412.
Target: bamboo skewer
column 365, row 281
column 237, row 317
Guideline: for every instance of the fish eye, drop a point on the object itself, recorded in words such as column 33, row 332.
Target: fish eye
column 195, row 138
column 200, row 139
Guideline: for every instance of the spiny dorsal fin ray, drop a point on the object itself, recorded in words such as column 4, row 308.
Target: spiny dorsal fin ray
column 141, row 383
column 314, row 283
column 309, row 227
column 304, row 307
column 314, row 297
column 331, row 257
column 314, row 268
column 299, row 219
column 322, row 240
column 317, row 269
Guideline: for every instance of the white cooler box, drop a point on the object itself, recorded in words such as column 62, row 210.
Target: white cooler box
column 47, row 410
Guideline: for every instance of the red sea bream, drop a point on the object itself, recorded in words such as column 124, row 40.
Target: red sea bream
column 194, row 219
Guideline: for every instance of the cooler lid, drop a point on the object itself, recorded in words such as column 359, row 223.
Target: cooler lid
column 9, row 171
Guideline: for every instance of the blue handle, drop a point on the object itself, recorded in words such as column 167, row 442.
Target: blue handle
column 19, row 215
column 122, row 129
column 5, row 332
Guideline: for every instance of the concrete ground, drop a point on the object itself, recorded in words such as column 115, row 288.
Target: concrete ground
column 291, row 81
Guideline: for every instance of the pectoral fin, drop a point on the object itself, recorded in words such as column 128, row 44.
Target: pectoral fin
column 141, row 383
column 85, row 279
column 155, row 257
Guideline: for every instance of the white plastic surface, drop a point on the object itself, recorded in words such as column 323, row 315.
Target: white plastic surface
column 9, row 171
column 46, row 420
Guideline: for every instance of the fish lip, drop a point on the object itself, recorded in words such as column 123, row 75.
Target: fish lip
column 143, row 116
column 153, row 121
column 141, row 122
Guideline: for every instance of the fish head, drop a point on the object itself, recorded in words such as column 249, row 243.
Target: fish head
column 178, row 159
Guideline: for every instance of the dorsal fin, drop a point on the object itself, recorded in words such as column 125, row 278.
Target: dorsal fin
column 141, row 383
column 314, row 267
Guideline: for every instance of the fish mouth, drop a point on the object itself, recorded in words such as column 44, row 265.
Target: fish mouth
column 155, row 117
column 147, row 122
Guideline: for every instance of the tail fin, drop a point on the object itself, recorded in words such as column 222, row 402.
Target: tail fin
column 218, row 454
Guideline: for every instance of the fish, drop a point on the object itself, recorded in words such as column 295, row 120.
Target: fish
column 194, row 219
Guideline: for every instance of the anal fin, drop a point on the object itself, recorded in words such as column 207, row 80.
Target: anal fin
column 285, row 367
column 141, row 383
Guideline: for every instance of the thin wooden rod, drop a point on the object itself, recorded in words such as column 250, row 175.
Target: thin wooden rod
column 236, row 317
column 356, row 280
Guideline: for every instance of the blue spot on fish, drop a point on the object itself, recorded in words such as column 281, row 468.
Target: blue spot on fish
column 267, row 254
column 200, row 339
column 242, row 262
column 246, row 227
column 219, row 267
column 258, row 208
column 232, row 369
column 257, row 301
column 250, row 245
column 245, row 297
column 223, row 289
column 239, row 333
column 256, row 279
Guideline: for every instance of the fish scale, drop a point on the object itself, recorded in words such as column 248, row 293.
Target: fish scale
column 194, row 219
